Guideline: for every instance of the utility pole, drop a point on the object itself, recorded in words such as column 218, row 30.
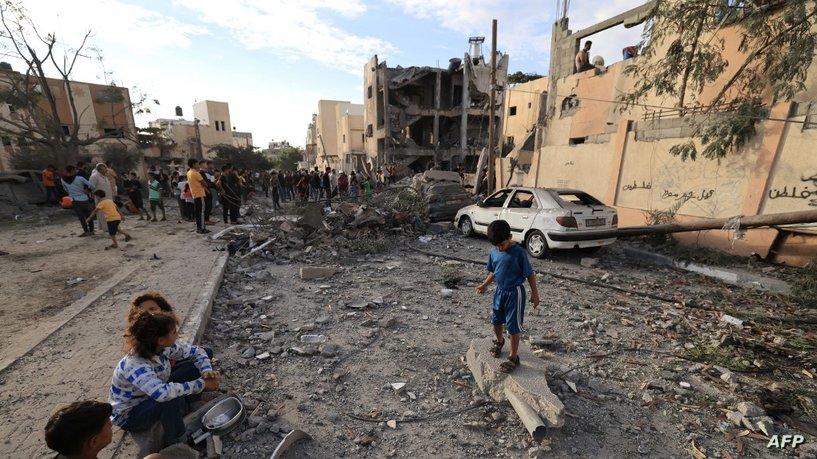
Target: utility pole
column 491, row 112
column 199, row 153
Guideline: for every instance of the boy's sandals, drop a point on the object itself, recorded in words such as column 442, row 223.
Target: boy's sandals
column 111, row 247
column 497, row 349
column 128, row 238
column 509, row 365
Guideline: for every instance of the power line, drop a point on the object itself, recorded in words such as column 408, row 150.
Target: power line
column 656, row 107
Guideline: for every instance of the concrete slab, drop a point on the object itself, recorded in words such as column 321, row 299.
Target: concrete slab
column 528, row 381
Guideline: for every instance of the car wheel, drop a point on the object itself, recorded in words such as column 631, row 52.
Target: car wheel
column 466, row 227
column 537, row 244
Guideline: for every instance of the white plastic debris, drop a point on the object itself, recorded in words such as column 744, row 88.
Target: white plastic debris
column 75, row 281
column 425, row 239
column 726, row 318
column 398, row 386
column 446, row 292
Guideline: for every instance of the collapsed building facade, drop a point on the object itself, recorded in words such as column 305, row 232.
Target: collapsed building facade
column 416, row 115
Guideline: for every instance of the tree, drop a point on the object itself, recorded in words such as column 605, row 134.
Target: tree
column 683, row 54
column 241, row 157
column 288, row 158
column 34, row 118
column 152, row 137
column 122, row 159
column 519, row 78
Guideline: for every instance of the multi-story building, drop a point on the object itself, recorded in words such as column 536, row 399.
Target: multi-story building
column 274, row 148
column 311, row 145
column 242, row 139
column 416, row 115
column 338, row 125
column 101, row 111
column 195, row 139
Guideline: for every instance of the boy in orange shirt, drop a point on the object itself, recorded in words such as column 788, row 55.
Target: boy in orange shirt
column 112, row 216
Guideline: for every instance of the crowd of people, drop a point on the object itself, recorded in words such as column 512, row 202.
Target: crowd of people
column 197, row 191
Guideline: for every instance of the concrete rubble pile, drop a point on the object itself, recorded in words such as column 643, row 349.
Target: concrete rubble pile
column 325, row 231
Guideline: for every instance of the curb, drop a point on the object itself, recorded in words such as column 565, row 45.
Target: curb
column 194, row 324
column 730, row 276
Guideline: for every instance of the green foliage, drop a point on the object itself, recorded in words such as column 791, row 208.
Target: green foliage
column 288, row 159
column 122, row 159
column 682, row 54
column 34, row 157
column 519, row 77
column 241, row 157
column 151, row 137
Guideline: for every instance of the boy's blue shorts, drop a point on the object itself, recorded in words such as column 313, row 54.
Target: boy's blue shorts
column 509, row 309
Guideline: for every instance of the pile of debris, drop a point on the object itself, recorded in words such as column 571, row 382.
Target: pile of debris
column 325, row 231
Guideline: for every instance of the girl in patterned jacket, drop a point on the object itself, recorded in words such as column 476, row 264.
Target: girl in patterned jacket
column 143, row 391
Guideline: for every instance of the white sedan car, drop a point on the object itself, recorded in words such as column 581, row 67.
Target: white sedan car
column 535, row 213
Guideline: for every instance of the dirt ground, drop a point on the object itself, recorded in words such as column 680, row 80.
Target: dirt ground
column 639, row 366
column 638, row 354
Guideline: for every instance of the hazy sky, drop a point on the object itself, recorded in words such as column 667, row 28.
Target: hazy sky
column 272, row 60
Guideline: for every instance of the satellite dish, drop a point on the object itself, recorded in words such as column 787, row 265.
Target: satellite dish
column 598, row 61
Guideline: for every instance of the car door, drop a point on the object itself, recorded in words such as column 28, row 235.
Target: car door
column 490, row 210
column 520, row 212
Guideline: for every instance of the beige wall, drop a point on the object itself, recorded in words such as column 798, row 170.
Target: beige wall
column 214, row 124
column 525, row 97
column 327, row 128
column 625, row 160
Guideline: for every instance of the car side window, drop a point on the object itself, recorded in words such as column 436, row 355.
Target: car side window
column 497, row 199
column 524, row 200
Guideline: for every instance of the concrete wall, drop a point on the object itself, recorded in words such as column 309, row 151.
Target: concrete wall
column 623, row 158
column 327, row 127
column 525, row 98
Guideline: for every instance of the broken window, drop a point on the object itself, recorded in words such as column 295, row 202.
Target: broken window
column 217, row 126
column 497, row 199
column 523, row 200
column 369, row 92
column 577, row 140
column 512, row 111
column 369, row 130
column 222, row 126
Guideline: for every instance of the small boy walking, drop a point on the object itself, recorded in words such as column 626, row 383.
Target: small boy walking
column 508, row 264
column 112, row 217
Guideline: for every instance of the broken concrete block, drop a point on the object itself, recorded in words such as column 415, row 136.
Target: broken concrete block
column 735, row 418
column 765, row 424
column 317, row 272
column 750, row 410
column 528, row 381
column 312, row 216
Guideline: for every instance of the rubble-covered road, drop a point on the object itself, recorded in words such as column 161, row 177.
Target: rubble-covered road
column 370, row 361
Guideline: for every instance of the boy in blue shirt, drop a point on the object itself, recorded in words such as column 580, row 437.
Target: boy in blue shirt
column 509, row 265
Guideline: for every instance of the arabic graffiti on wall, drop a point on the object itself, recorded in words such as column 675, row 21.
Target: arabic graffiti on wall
column 802, row 192
column 635, row 186
column 688, row 195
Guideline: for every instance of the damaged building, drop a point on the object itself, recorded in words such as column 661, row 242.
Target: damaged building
column 416, row 115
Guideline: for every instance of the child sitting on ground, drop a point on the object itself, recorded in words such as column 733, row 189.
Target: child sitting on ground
column 81, row 430
column 112, row 217
column 509, row 265
column 184, row 369
column 143, row 391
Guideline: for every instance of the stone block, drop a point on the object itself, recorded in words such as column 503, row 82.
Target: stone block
column 317, row 272
column 528, row 381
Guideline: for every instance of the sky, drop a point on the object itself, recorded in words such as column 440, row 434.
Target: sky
column 272, row 60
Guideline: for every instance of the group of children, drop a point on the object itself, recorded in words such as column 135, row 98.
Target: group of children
column 159, row 378
column 157, row 381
